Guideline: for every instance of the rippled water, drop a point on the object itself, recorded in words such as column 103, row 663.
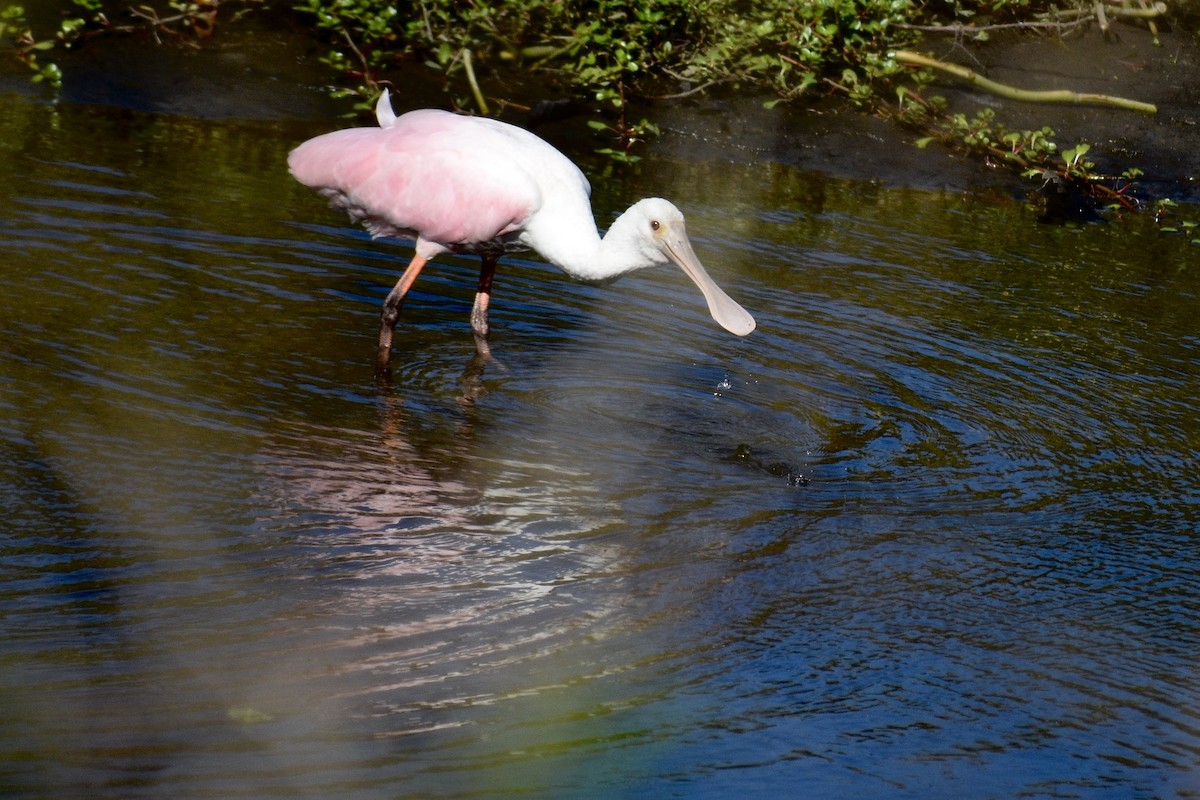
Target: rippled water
column 931, row 531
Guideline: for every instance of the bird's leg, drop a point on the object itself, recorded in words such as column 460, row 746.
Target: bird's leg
column 391, row 312
column 479, row 312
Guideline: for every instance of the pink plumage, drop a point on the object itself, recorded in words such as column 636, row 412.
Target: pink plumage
column 454, row 183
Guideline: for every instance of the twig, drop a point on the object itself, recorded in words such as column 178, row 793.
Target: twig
column 960, row 29
column 366, row 67
column 1078, row 18
column 1023, row 95
column 689, row 92
column 469, row 67
column 1155, row 10
column 1101, row 17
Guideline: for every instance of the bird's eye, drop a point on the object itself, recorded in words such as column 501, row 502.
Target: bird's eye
column 655, row 225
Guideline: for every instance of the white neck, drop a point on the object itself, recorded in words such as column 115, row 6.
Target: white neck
column 571, row 242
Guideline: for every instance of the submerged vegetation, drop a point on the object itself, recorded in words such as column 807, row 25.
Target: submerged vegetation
column 614, row 53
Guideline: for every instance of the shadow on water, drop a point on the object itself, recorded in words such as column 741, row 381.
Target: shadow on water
column 929, row 531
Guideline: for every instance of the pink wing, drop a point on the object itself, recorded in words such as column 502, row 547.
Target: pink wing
column 452, row 182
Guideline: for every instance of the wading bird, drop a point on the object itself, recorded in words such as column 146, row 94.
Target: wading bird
column 474, row 185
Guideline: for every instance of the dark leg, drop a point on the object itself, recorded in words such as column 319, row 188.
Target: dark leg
column 479, row 312
column 391, row 312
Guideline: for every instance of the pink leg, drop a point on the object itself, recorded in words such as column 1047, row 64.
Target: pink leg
column 479, row 312
column 391, row 312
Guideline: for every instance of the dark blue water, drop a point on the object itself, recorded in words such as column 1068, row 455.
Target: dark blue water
column 931, row 531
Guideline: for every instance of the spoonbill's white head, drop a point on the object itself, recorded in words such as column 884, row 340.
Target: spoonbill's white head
column 653, row 232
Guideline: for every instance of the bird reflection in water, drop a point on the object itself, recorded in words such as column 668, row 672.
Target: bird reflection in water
column 440, row 573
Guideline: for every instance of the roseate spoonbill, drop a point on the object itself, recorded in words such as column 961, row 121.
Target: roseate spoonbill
column 476, row 185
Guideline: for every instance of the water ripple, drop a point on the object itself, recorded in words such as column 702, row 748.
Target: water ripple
column 930, row 529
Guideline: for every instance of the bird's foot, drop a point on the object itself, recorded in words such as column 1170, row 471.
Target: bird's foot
column 383, row 353
column 472, row 377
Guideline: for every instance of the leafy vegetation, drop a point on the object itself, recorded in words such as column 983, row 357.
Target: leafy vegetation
column 85, row 19
column 14, row 28
column 615, row 49
column 613, row 52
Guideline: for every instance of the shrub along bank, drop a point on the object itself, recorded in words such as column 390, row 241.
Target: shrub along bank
column 614, row 52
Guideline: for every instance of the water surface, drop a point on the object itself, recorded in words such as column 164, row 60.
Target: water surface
column 930, row 531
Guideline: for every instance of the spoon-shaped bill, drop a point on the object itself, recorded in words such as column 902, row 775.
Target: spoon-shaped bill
column 724, row 309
